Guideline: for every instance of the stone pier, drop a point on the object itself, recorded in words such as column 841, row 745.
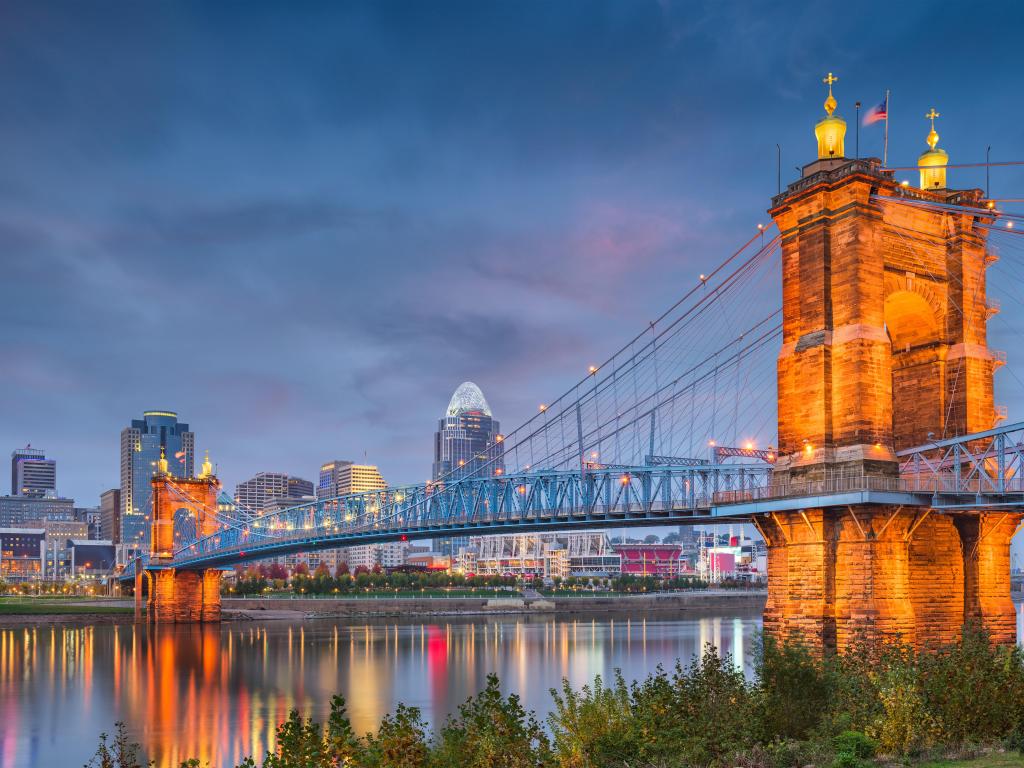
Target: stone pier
column 889, row 574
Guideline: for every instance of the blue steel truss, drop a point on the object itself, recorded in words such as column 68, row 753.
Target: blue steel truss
column 586, row 498
column 984, row 470
column 979, row 469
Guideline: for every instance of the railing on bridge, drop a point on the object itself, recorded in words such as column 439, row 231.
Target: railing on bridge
column 986, row 466
column 983, row 463
column 609, row 495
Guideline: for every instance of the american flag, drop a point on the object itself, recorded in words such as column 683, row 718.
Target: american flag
column 877, row 113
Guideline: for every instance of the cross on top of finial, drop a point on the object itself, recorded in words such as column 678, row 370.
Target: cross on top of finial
column 933, row 136
column 830, row 102
column 932, row 115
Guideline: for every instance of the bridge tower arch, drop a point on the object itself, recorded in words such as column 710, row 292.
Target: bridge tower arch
column 884, row 347
column 181, row 595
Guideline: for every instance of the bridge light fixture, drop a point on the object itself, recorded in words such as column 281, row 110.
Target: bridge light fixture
column 904, row 183
column 543, row 407
column 521, row 489
column 498, row 471
column 624, row 479
column 749, row 445
column 1009, row 225
column 592, row 370
column 711, row 443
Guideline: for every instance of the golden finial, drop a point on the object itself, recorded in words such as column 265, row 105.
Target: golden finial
column 830, row 102
column 933, row 161
column 207, row 466
column 162, row 464
column 933, row 137
column 830, row 130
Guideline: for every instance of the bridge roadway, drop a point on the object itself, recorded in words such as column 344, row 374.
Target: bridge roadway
column 978, row 471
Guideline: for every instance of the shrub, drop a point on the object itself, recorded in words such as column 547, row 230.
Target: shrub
column 855, row 743
column 491, row 730
column 591, row 726
column 119, row 753
column 795, row 690
column 973, row 690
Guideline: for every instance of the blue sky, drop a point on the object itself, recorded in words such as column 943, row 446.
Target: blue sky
column 302, row 226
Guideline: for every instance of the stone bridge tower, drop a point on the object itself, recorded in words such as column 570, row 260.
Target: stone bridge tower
column 178, row 595
column 884, row 347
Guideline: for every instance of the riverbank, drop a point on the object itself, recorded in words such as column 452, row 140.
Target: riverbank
column 293, row 609
column 24, row 612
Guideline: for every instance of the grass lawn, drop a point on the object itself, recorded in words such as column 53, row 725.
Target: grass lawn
column 1006, row 760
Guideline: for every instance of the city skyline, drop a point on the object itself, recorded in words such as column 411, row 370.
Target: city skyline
column 641, row 173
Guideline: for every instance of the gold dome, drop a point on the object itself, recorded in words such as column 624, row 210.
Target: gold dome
column 207, row 467
column 830, row 132
column 933, row 163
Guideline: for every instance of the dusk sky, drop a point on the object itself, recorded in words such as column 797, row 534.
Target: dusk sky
column 301, row 226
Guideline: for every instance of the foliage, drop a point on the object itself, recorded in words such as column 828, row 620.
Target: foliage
column 794, row 689
column 492, row 730
column 117, row 753
column 797, row 710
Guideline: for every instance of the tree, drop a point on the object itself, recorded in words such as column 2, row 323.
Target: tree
column 341, row 570
column 277, row 572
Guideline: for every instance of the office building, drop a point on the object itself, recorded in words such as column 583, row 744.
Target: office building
column 141, row 444
column 340, row 477
column 387, row 556
column 269, row 491
column 22, row 553
column 91, row 517
column 15, row 511
column 252, row 495
column 89, row 558
column 32, row 474
column 300, row 489
column 110, row 515
column 467, row 443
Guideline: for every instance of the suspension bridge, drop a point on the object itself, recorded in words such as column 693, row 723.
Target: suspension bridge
column 854, row 424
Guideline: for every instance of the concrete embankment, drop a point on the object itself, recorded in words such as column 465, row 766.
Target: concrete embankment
column 711, row 601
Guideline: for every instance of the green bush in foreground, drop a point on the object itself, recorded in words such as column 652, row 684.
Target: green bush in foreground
column 871, row 703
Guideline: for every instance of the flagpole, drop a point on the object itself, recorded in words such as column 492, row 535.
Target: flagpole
column 885, row 146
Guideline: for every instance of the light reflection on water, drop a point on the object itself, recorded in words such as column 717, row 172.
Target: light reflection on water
column 217, row 693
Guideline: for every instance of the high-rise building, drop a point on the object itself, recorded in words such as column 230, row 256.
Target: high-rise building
column 467, row 443
column 300, row 489
column 254, row 493
column 141, row 444
column 32, row 474
column 15, row 511
column 468, row 438
column 271, row 489
column 91, row 517
column 340, row 477
column 110, row 515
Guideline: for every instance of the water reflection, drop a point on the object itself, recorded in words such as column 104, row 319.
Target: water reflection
column 217, row 693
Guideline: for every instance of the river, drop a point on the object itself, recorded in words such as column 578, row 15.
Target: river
column 217, row 692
